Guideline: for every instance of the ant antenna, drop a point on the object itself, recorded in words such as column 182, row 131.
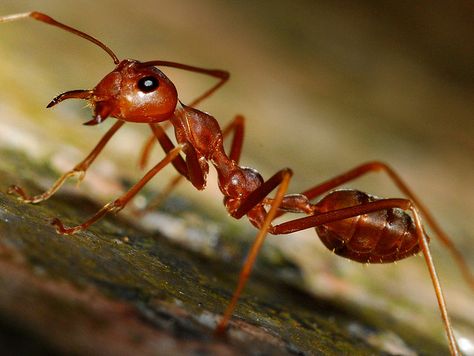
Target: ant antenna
column 50, row 21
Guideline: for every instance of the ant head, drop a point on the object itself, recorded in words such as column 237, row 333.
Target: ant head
column 135, row 92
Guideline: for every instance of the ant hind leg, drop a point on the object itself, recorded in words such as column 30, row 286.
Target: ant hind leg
column 282, row 180
column 377, row 166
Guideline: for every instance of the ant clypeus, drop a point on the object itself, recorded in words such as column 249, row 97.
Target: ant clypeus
column 351, row 223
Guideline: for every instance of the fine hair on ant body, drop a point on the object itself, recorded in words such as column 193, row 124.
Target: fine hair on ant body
column 352, row 224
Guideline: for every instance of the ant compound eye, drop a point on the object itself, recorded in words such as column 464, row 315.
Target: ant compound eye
column 148, row 84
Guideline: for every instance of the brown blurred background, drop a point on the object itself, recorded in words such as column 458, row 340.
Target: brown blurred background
column 324, row 86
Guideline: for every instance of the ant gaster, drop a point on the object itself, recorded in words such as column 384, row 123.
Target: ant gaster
column 351, row 223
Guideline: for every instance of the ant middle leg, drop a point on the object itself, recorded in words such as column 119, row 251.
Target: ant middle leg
column 78, row 171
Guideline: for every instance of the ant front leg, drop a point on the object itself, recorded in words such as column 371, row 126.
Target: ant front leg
column 236, row 128
column 190, row 168
column 119, row 203
column 78, row 171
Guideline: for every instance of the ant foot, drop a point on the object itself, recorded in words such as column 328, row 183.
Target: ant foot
column 20, row 193
column 62, row 230
column 221, row 330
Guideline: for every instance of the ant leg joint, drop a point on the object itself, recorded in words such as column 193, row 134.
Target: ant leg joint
column 377, row 166
column 115, row 206
column 287, row 172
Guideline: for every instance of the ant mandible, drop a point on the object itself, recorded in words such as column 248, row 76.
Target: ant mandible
column 352, row 224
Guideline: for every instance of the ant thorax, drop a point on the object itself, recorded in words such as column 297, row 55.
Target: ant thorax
column 200, row 132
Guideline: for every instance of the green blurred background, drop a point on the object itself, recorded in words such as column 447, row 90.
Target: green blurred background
column 324, row 85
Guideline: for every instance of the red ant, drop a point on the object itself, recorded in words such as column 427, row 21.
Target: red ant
column 351, row 223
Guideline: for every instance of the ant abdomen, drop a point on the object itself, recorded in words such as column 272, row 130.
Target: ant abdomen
column 380, row 237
